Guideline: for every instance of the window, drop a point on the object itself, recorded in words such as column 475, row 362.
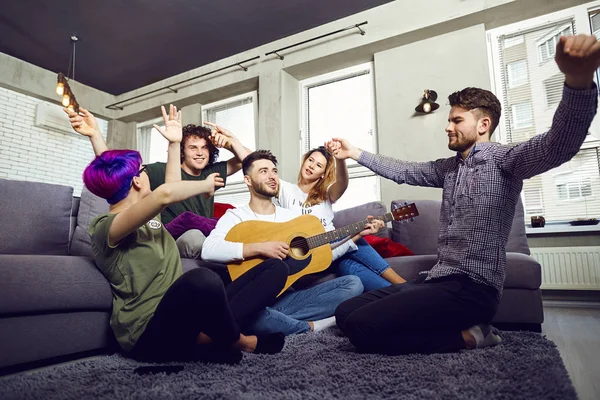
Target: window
column 574, row 190
column 151, row 144
column 522, row 115
column 571, row 190
column 239, row 116
column 547, row 45
column 513, row 41
column 553, row 88
column 517, row 73
column 342, row 104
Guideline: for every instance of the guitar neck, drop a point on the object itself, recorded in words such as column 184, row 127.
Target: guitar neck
column 348, row 230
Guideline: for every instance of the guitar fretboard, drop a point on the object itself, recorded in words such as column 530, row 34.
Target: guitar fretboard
column 348, row 230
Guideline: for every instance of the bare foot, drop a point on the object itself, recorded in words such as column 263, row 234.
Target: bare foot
column 246, row 343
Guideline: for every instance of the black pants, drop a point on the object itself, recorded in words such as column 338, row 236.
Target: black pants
column 199, row 302
column 416, row 317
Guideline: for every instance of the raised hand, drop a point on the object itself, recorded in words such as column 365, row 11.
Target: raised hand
column 85, row 124
column 213, row 182
column 220, row 136
column 372, row 227
column 578, row 57
column 278, row 250
column 342, row 149
column 173, row 127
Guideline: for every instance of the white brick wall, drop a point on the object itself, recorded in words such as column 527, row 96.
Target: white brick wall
column 31, row 153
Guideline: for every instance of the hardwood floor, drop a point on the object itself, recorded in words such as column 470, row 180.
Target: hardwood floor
column 575, row 328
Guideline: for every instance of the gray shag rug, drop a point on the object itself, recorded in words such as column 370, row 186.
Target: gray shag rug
column 318, row 366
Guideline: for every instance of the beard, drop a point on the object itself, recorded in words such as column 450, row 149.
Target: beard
column 461, row 144
column 264, row 190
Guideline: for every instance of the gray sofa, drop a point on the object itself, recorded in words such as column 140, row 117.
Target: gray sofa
column 55, row 304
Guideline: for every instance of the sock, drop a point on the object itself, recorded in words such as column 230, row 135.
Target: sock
column 484, row 335
column 323, row 324
column 269, row 344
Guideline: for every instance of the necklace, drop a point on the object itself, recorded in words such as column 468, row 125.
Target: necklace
column 274, row 214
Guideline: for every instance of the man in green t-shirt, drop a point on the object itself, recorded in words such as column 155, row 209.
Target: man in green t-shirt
column 199, row 153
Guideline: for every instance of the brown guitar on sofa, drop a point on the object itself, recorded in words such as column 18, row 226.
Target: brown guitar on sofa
column 306, row 237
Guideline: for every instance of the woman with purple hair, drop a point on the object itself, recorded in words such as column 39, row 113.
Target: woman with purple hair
column 160, row 313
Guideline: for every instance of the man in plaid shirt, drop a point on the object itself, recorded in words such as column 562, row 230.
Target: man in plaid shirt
column 451, row 306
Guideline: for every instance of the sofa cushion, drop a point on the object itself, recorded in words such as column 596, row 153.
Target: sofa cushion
column 386, row 247
column 39, row 284
column 409, row 267
column 90, row 206
column 420, row 235
column 35, row 216
column 517, row 240
column 354, row 214
column 522, row 271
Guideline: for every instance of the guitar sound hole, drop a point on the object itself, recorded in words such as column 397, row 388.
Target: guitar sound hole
column 299, row 247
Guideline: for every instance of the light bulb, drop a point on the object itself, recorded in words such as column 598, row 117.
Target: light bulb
column 71, row 107
column 66, row 100
column 426, row 107
column 60, row 88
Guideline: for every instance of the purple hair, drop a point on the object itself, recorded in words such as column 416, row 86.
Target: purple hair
column 110, row 174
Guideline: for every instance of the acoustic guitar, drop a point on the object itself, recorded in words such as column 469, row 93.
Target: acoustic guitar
column 307, row 239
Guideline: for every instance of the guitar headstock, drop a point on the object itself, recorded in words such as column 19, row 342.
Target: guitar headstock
column 405, row 213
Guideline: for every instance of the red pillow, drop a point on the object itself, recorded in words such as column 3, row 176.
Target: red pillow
column 220, row 209
column 388, row 248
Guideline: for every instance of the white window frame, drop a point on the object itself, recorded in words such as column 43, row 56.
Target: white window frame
column 513, row 79
column 236, row 190
column 144, row 137
column 513, row 41
column 355, row 170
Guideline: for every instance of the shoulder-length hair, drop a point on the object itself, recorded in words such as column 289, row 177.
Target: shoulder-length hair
column 318, row 193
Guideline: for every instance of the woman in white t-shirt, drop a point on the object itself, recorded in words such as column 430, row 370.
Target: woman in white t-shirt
column 320, row 184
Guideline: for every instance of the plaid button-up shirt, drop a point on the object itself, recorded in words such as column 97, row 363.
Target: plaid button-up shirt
column 480, row 192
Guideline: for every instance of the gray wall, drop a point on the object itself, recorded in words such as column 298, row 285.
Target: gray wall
column 444, row 63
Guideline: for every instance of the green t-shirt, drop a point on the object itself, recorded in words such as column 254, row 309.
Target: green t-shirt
column 198, row 204
column 140, row 269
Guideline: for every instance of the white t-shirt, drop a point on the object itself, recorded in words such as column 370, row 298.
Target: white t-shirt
column 293, row 198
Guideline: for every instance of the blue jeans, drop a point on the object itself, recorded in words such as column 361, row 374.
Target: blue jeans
column 365, row 263
column 291, row 311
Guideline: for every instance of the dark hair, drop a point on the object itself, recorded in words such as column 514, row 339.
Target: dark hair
column 318, row 193
column 255, row 156
column 200, row 132
column 110, row 174
column 474, row 98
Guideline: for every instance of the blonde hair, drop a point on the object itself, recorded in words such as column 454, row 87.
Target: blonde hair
column 318, row 193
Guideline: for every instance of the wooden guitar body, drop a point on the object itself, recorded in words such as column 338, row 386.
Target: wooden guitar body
column 301, row 260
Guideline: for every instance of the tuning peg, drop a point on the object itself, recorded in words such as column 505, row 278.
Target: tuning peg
column 412, row 220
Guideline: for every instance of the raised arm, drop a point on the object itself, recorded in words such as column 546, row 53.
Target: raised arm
column 222, row 138
column 173, row 133
column 85, row 124
column 341, row 175
column 429, row 174
column 166, row 194
column 577, row 57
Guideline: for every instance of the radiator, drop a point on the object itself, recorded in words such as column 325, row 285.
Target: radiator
column 569, row 268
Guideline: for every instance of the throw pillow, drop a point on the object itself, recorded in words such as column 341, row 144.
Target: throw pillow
column 90, row 206
column 387, row 248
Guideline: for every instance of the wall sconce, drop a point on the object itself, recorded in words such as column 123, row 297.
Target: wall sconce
column 428, row 103
column 63, row 89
